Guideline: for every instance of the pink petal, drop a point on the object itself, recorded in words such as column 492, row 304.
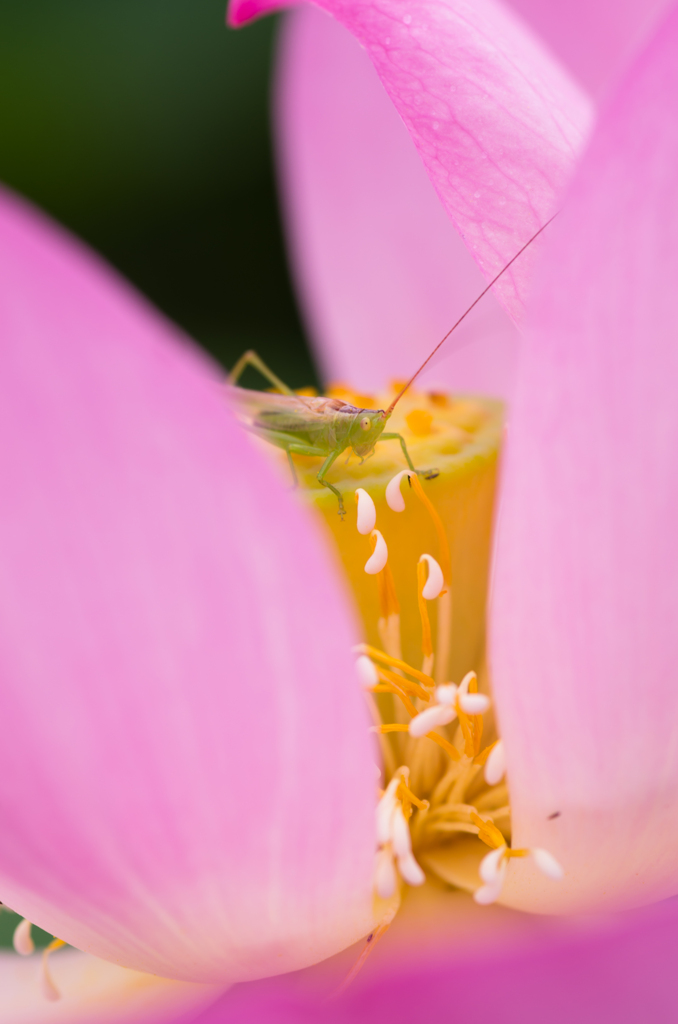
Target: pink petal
column 624, row 972
column 496, row 122
column 186, row 779
column 597, row 40
column 381, row 271
column 94, row 992
column 586, row 600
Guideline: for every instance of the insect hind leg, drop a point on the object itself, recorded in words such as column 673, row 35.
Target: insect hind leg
column 250, row 358
column 428, row 474
column 321, row 479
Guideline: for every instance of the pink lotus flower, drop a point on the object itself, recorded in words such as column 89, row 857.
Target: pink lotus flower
column 179, row 794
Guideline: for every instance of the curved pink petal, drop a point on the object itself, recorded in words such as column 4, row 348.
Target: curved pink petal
column 586, row 600
column 381, row 272
column 496, row 122
column 94, row 991
column 597, row 40
column 186, row 779
column 622, row 972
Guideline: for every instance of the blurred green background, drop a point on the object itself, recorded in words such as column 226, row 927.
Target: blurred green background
column 143, row 125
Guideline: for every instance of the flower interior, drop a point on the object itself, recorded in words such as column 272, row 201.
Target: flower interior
column 416, row 550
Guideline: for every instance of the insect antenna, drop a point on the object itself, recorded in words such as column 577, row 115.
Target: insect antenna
column 464, row 315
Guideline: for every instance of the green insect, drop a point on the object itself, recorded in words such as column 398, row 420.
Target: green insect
column 325, row 427
column 303, row 425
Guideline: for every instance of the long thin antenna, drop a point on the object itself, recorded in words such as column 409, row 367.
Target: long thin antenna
column 464, row 315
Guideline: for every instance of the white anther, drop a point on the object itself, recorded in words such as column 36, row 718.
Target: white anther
column 490, row 865
column 23, row 940
column 547, row 863
column 435, row 582
column 367, row 673
column 431, row 718
column 487, row 894
column 385, row 878
column 49, row 989
column 402, row 842
column 474, row 703
column 446, row 694
column 385, row 809
column 495, row 766
column 394, row 498
column 466, row 681
column 410, row 870
column 367, row 512
column 379, row 557
column 492, row 870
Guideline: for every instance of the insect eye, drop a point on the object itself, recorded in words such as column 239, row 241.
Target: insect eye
column 366, row 423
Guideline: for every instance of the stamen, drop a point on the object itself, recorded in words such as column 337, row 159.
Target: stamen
column 495, row 765
column 400, row 833
column 445, row 559
column 446, row 694
column 385, row 809
column 367, row 672
column 394, row 498
column 410, row 870
column 378, row 655
column 385, row 878
column 488, row 832
column 22, row 939
column 367, row 511
column 397, row 727
column 396, row 502
column 431, row 718
column 377, row 560
column 404, row 684
column 393, row 835
column 492, row 870
column 547, row 863
column 426, row 644
column 388, row 599
column 405, row 793
column 397, row 692
column 49, row 989
column 434, row 584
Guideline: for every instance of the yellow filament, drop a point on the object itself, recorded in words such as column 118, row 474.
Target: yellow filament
column 397, row 727
column 445, row 744
column 404, row 684
column 386, row 659
column 489, row 833
column 54, row 944
column 390, row 688
column 426, row 645
column 445, row 559
column 388, row 599
column 482, row 757
column 405, row 793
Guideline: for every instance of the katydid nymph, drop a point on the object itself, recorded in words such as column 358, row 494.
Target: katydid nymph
column 326, row 427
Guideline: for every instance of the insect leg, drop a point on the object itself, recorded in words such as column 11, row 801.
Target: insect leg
column 305, row 449
column 428, row 474
column 251, row 358
column 321, row 479
column 399, row 437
